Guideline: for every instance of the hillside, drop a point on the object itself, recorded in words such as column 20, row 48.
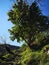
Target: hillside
column 23, row 56
column 7, row 58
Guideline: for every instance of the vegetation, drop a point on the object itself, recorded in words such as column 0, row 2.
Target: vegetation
column 32, row 27
column 28, row 23
column 28, row 57
column 7, row 58
column 35, row 57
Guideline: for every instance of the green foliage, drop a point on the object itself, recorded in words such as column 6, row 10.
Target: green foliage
column 45, row 56
column 41, row 40
column 34, row 57
column 29, row 57
column 7, row 55
column 23, row 47
column 31, row 26
column 28, row 22
column 26, row 56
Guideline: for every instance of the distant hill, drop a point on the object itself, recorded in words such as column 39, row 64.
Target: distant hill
column 11, row 46
column 7, row 58
column 3, row 49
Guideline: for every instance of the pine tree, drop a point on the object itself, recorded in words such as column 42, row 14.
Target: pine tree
column 29, row 24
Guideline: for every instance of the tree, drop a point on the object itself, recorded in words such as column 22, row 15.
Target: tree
column 28, row 22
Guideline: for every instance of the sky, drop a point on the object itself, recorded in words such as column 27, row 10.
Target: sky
column 5, row 6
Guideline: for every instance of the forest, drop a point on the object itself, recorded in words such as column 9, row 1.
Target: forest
column 31, row 27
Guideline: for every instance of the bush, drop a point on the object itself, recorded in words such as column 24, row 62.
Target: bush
column 29, row 57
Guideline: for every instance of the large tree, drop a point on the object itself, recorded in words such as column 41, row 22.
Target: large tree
column 29, row 24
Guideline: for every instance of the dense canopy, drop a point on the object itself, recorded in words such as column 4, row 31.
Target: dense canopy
column 28, row 23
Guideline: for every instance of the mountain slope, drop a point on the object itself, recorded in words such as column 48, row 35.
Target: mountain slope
column 7, row 58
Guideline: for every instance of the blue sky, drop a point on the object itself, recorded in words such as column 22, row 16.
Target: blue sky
column 5, row 6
